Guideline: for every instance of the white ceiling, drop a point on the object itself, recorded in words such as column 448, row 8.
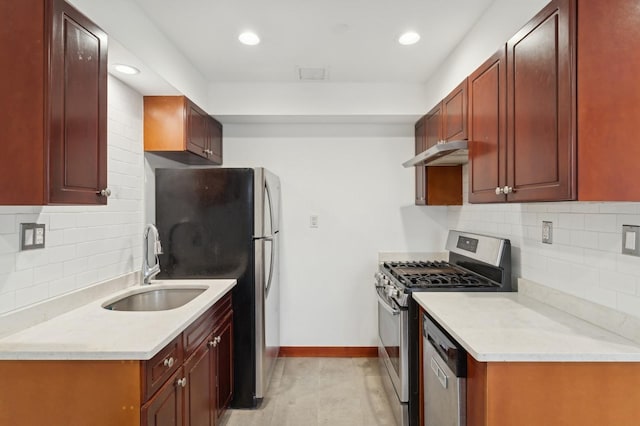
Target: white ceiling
column 356, row 40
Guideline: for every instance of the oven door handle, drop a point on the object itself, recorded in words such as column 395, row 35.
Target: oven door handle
column 388, row 308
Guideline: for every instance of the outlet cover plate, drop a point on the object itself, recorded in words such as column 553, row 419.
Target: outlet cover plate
column 631, row 240
column 31, row 236
column 547, row 232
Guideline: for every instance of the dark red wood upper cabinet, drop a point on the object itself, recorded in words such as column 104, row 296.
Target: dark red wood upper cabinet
column 608, row 100
column 541, row 136
column 454, row 113
column 433, row 126
column 56, row 95
column 487, row 130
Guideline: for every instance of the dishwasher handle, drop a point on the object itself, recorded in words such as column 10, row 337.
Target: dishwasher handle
column 439, row 372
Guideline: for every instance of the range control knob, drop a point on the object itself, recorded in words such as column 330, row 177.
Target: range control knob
column 393, row 292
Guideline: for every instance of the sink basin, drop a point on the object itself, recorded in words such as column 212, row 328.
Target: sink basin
column 161, row 299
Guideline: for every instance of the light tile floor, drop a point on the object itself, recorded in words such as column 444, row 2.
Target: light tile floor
column 319, row 392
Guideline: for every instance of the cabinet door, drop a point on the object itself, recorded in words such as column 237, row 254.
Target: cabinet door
column 224, row 364
column 420, row 171
column 215, row 140
column 487, row 130
column 454, row 114
column 433, row 126
column 197, row 130
column 199, row 389
column 77, row 123
column 540, row 111
column 165, row 408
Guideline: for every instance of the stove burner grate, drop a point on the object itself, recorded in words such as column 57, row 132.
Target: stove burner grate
column 434, row 274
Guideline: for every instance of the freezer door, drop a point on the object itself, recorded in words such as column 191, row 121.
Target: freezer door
column 267, row 203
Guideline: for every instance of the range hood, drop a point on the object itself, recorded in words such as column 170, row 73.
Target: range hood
column 442, row 154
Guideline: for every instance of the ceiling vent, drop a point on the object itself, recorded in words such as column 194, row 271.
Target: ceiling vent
column 312, row 74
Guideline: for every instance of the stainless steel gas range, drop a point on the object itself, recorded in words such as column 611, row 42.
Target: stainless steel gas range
column 476, row 263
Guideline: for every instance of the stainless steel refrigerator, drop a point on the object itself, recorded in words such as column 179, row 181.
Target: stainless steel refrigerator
column 225, row 223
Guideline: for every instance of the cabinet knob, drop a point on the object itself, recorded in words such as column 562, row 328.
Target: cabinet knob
column 182, row 382
column 507, row 189
column 218, row 339
column 499, row 191
column 213, row 343
column 169, row 362
column 104, row 193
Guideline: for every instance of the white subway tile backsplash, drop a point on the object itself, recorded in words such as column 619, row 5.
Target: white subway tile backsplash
column 585, row 258
column 110, row 235
column 33, row 294
column 585, row 239
column 31, row 259
column 7, row 224
column 601, row 222
column 571, row 220
column 62, row 220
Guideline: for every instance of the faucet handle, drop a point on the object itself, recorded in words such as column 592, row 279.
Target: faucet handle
column 157, row 248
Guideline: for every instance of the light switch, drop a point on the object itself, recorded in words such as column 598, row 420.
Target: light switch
column 630, row 240
column 313, row 221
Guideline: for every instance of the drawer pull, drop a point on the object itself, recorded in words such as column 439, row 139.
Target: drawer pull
column 169, row 362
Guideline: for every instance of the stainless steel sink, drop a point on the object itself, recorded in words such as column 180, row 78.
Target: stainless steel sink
column 161, row 299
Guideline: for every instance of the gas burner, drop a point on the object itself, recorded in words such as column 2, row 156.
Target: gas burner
column 434, row 275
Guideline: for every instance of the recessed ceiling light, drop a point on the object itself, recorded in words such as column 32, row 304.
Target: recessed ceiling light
column 249, row 38
column 409, row 38
column 126, row 69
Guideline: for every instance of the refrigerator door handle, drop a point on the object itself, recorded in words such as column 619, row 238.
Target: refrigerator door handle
column 271, row 261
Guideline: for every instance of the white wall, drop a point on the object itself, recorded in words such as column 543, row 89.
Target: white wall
column 499, row 23
column 584, row 259
column 84, row 245
column 351, row 177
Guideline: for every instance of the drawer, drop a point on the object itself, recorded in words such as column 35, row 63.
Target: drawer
column 159, row 368
column 222, row 307
column 197, row 332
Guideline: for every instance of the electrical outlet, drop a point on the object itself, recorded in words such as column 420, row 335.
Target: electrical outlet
column 313, row 221
column 31, row 236
column 547, row 232
column 631, row 240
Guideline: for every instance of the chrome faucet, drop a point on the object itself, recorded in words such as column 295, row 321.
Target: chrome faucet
column 150, row 271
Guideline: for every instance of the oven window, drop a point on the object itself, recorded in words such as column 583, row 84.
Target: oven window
column 389, row 331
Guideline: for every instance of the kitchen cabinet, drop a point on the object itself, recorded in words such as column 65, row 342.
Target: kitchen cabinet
column 54, row 89
column 572, row 102
column 447, row 121
column 454, row 113
column 487, row 130
column 608, row 100
column 541, row 138
column 188, row 382
column 436, row 185
column 176, row 128
column 552, row 393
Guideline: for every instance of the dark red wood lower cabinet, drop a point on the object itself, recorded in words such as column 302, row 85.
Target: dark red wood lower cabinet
column 224, row 364
column 199, row 391
column 165, row 407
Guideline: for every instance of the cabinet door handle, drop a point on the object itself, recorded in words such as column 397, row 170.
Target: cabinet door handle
column 499, row 191
column 218, row 339
column 104, row 193
column 182, row 382
column 169, row 362
column 213, row 343
column 507, row 189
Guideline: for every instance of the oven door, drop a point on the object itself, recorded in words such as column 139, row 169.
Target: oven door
column 393, row 345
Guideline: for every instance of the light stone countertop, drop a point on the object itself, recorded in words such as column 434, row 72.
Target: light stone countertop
column 506, row 327
column 94, row 333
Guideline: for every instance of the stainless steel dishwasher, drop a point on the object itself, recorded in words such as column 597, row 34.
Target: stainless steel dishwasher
column 444, row 369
